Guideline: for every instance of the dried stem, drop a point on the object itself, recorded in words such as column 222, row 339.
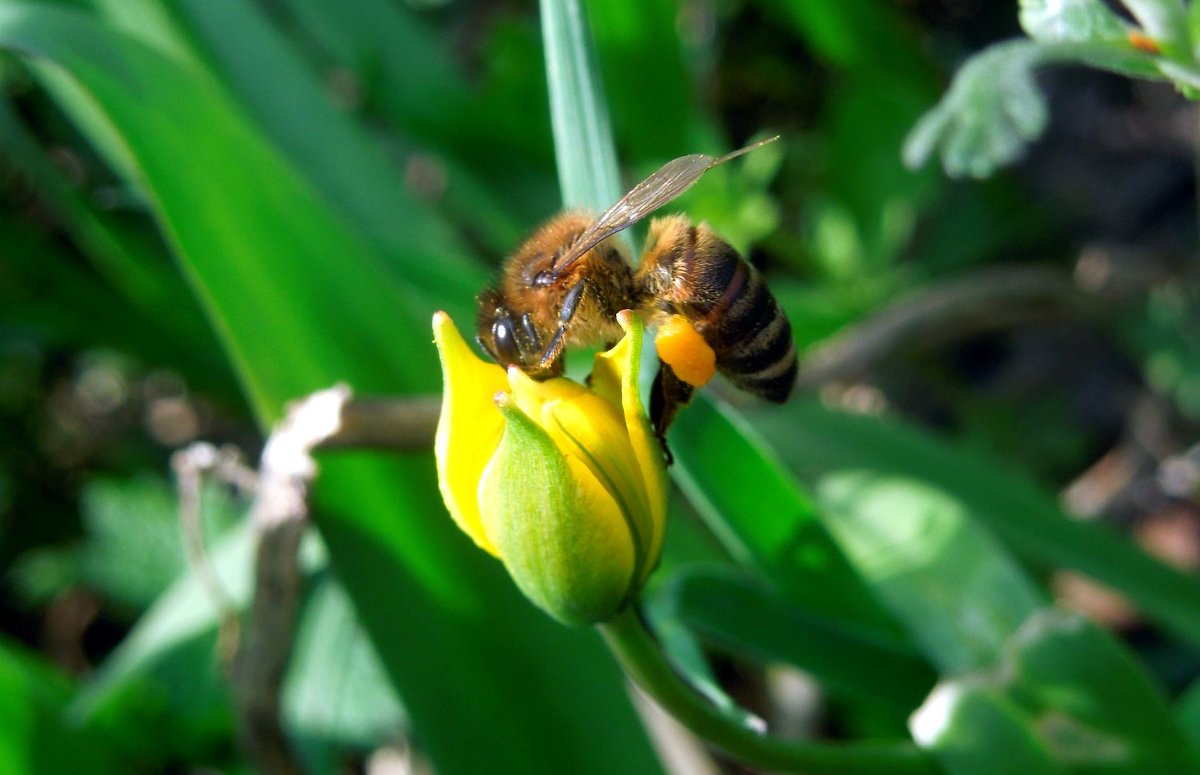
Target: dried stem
column 328, row 419
column 191, row 466
column 399, row 425
column 280, row 516
column 982, row 301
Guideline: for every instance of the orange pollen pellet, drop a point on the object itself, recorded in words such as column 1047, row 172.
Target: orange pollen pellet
column 685, row 351
column 1143, row 42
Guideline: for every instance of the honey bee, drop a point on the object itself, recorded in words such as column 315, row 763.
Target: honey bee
column 566, row 283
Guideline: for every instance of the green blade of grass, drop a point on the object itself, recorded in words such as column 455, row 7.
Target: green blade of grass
column 37, row 735
column 1066, row 697
column 960, row 596
column 813, row 440
column 745, row 616
column 164, row 323
column 766, row 520
column 583, row 142
column 352, row 171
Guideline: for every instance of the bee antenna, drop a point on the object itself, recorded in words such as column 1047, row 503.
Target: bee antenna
column 745, row 150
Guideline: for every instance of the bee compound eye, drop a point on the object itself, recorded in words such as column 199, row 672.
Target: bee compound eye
column 504, row 337
column 542, row 279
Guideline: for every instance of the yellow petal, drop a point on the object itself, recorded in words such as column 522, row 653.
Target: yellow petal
column 531, row 395
column 469, row 429
column 592, row 430
column 620, row 366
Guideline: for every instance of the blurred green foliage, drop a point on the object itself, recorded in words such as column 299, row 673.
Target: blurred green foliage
column 211, row 207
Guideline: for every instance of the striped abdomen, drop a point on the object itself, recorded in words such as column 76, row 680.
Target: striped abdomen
column 728, row 303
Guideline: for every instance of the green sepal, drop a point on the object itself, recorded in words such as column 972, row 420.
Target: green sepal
column 562, row 538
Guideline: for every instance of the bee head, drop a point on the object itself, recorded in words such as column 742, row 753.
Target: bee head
column 510, row 338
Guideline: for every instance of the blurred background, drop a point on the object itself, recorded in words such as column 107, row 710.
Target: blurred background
column 1046, row 319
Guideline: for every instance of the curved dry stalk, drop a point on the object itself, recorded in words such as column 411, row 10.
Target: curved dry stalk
column 329, row 419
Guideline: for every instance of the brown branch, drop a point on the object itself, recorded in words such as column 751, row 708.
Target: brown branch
column 280, row 515
column 329, row 419
column 401, row 425
column 983, row 301
column 191, row 466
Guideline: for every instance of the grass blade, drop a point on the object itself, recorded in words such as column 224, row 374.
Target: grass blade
column 1007, row 503
column 583, row 140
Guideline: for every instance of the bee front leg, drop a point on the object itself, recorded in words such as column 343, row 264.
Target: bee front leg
column 566, row 313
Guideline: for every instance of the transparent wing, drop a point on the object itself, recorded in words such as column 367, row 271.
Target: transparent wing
column 668, row 182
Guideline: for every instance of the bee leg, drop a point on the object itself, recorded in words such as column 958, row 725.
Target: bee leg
column 529, row 344
column 533, row 339
column 668, row 394
column 565, row 314
column 551, row 359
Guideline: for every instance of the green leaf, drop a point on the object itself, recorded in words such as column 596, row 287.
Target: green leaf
column 994, row 108
column 1164, row 337
column 682, row 648
column 856, row 35
column 1193, row 27
column 404, row 67
column 336, row 688
column 1073, row 21
column 135, row 277
column 206, row 214
column 814, row 441
column 1187, row 715
column 139, row 276
column 975, row 728
column 957, row 592
column 583, row 143
column 407, row 70
column 132, row 550
column 764, row 518
column 991, row 111
column 35, row 733
column 1065, row 698
column 150, row 21
column 746, row 617
column 164, row 676
column 355, row 174
column 403, row 73
column 641, row 55
column 1165, row 21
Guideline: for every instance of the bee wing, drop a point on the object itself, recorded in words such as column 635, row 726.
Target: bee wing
column 668, row 182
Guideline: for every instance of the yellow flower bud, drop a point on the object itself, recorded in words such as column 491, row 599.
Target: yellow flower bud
column 564, row 483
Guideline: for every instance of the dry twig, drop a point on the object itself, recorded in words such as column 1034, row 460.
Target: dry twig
column 328, row 419
column 191, row 465
column 982, row 301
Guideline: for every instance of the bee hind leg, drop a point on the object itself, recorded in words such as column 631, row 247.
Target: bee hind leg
column 667, row 395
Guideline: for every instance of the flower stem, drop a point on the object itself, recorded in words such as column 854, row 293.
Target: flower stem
column 643, row 661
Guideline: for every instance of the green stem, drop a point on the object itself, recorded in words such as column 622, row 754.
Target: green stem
column 643, row 661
